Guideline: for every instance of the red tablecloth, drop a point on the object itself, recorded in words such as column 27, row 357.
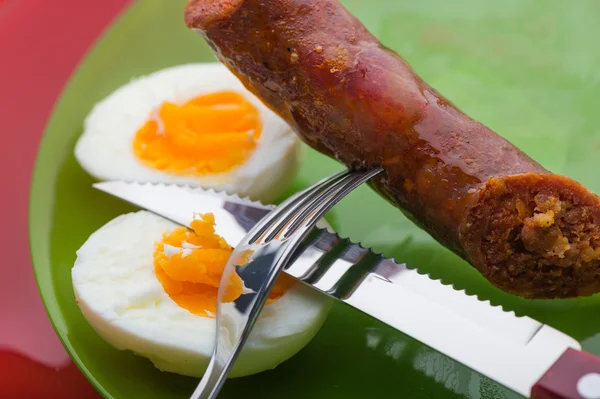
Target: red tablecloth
column 41, row 42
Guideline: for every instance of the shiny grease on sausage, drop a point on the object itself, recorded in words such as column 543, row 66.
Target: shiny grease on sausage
column 530, row 232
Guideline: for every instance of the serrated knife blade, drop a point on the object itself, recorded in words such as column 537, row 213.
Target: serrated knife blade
column 514, row 351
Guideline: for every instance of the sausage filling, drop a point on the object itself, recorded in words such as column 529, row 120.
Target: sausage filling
column 537, row 236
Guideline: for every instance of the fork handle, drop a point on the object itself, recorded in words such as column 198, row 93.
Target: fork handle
column 575, row 375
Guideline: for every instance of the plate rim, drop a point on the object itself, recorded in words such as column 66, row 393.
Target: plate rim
column 39, row 187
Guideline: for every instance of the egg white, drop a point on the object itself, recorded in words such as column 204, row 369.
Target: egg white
column 119, row 295
column 104, row 149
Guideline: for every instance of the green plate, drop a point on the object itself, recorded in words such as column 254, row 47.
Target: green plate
column 528, row 69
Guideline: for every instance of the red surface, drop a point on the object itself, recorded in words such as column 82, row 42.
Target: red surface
column 560, row 382
column 41, row 42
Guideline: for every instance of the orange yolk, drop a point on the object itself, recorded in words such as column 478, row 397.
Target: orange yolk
column 192, row 275
column 209, row 134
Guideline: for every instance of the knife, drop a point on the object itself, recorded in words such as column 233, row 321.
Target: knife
column 526, row 356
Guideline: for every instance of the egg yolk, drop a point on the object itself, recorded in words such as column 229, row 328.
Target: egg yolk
column 189, row 265
column 209, row 134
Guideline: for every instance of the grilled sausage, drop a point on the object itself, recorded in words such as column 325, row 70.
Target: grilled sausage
column 528, row 231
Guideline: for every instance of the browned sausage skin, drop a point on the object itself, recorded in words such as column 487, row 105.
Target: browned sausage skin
column 528, row 231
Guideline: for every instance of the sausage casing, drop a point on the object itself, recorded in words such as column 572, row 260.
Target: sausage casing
column 528, row 231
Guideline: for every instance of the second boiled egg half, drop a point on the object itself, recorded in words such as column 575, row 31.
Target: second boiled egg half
column 150, row 286
column 193, row 124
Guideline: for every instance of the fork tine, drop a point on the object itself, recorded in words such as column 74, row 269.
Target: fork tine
column 290, row 206
column 337, row 196
column 316, row 209
column 302, row 202
column 305, row 205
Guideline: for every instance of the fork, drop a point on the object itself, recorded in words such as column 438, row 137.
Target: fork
column 258, row 259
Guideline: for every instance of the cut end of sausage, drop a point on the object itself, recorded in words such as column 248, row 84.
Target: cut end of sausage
column 199, row 14
column 536, row 236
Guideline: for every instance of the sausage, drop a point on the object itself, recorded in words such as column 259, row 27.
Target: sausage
column 530, row 232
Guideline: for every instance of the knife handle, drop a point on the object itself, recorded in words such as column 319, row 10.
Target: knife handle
column 575, row 375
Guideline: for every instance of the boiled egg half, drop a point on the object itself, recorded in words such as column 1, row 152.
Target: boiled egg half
column 150, row 286
column 193, row 124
